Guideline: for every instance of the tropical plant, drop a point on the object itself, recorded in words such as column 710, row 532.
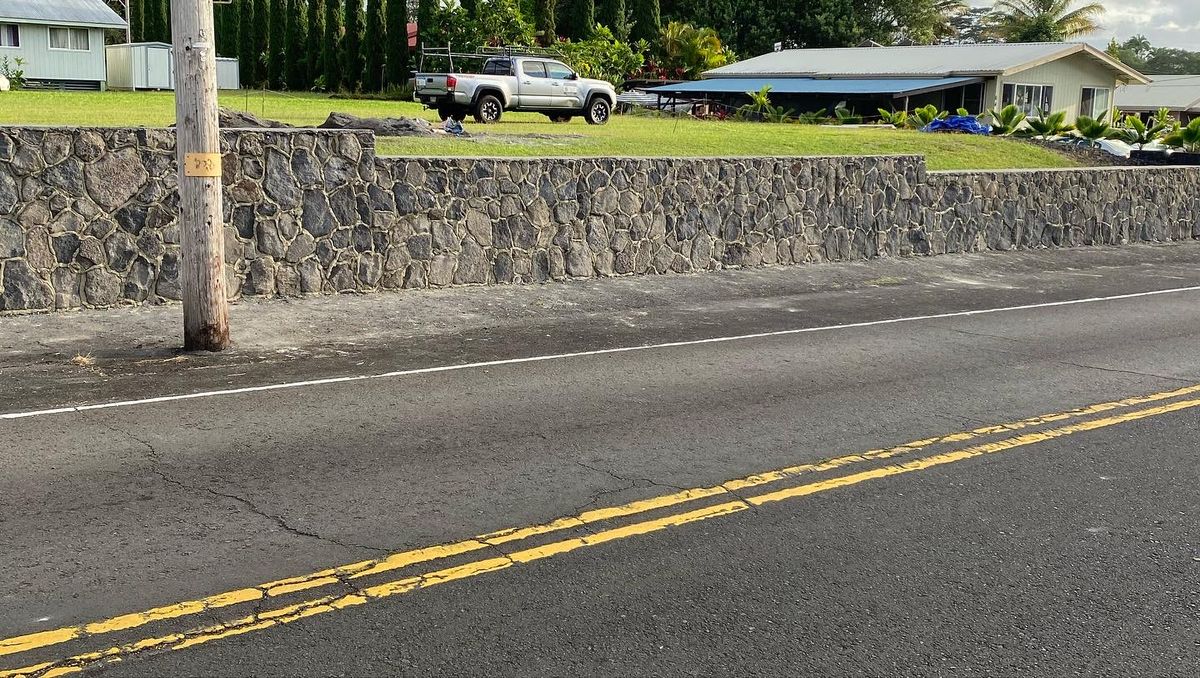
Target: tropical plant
column 602, row 56
column 686, row 51
column 1135, row 132
column 1185, row 138
column 1051, row 125
column 1044, row 20
column 1095, row 129
column 920, row 118
column 812, row 118
column 846, row 116
column 1164, row 117
column 897, row 119
column 1007, row 120
column 13, row 71
column 761, row 109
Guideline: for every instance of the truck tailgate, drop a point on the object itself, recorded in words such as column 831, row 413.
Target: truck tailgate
column 432, row 83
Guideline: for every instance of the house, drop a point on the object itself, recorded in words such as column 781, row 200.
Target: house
column 60, row 41
column 1076, row 78
column 1179, row 94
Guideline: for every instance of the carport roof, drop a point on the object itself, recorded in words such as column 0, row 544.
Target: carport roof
column 896, row 87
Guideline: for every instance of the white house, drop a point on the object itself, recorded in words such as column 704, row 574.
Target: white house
column 60, row 41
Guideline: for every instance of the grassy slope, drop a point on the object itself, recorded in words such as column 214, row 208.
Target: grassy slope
column 630, row 136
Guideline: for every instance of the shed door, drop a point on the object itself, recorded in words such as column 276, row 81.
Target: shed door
column 158, row 68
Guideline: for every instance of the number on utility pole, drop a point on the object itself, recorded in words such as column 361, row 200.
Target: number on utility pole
column 198, row 147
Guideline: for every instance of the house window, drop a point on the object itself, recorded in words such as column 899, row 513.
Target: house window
column 10, row 35
column 76, row 39
column 1096, row 101
column 1033, row 100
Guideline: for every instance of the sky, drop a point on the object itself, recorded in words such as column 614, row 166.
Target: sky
column 1168, row 23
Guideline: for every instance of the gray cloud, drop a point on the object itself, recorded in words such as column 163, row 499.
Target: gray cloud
column 1167, row 23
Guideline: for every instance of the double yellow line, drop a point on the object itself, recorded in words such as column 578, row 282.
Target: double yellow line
column 349, row 574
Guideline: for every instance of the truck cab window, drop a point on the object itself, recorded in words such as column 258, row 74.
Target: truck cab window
column 534, row 69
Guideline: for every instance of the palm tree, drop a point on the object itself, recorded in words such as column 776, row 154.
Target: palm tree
column 1044, row 20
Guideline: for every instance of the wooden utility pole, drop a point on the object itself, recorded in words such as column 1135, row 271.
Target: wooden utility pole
column 198, row 149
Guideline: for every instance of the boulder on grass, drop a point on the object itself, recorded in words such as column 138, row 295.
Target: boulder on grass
column 384, row 127
column 231, row 119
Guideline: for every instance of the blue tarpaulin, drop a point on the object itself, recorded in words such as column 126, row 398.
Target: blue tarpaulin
column 962, row 124
column 896, row 87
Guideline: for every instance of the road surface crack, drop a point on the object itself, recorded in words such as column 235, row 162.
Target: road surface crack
column 156, row 458
column 1120, row 371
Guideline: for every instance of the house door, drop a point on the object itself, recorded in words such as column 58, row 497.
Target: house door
column 159, row 71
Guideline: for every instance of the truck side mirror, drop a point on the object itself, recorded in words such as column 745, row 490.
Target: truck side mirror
column 573, row 76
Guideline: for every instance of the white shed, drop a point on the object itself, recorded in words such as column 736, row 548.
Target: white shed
column 151, row 65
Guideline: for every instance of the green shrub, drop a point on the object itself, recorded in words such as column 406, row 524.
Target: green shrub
column 1135, row 132
column 602, row 57
column 898, row 119
column 1094, row 129
column 920, row 118
column 1052, row 125
column 13, row 71
column 1007, row 120
column 1185, row 138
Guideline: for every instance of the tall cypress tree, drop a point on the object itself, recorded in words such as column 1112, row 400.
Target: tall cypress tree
column 577, row 18
column 137, row 21
column 155, row 18
column 316, row 38
column 373, row 47
column 296, row 45
column 276, row 41
column 330, row 63
column 247, row 45
column 352, row 45
column 261, row 21
column 225, row 20
column 544, row 21
column 647, row 20
column 396, row 44
column 611, row 13
column 468, row 6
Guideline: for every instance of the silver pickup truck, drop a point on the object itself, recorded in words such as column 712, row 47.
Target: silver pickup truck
column 530, row 84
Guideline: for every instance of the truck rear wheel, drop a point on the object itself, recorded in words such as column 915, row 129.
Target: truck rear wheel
column 446, row 112
column 598, row 111
column 488, row 109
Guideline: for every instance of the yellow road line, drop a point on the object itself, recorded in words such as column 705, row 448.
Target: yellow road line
column 295, row 612
column 358, row 570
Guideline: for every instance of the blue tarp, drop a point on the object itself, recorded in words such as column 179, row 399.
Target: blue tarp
column 896, row 87
column 962, row 124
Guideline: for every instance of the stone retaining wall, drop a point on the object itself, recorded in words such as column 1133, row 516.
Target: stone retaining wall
column 87, row 217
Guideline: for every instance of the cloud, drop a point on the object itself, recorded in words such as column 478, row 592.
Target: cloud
column 1167, row 23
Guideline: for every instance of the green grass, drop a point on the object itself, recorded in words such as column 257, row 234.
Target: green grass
column 528, row 135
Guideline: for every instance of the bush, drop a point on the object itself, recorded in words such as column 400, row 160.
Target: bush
column 1185, row 138
column 13, row 71
column 1007, row 120
column 601, row 56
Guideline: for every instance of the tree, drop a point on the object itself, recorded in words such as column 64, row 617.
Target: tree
column 226, row 20
column 426, row 24
column 296, row 45
column 1045, row 20
column 576, row 18
column 352, row 46
column 261, row 38
column 499, row 23
column 330, row 61
column 544, row 21
column 373, row 55
column 137, row 21
column 276, row 41
column 647, row 19
column 247, row 43
column 611, row 13
column 314, row 65
column 396, row 44
column 155, row 27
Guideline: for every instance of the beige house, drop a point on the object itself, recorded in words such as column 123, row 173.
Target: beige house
column 1037, row 77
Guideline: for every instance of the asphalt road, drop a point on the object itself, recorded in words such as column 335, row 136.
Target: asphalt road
column 1062, row 545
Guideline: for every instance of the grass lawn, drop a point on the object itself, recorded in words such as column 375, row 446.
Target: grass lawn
column 535, row 136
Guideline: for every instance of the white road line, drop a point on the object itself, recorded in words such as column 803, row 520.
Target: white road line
column 579, row 354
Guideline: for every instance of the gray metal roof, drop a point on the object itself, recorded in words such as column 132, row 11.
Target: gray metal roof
column 918, row 61
column 1176, row 92
column 68, row 12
